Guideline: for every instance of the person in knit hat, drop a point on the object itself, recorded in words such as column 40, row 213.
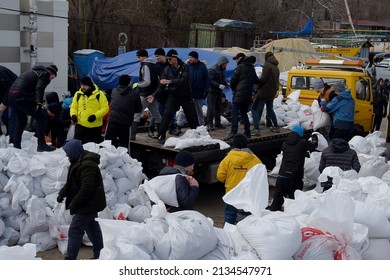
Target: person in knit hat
column 187, row 187
column 25, row 98
column 342, row 109
column 84, row 196
column 199, row 77
column 89, row 106
column 233, row 169
column 291, row 170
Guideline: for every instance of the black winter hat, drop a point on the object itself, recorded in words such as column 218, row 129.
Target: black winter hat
column 86, row 81
column 237, row 56
column 240, row 141
column 53, row 69
column 124, row 80
column 184, row 158
column 194, row 54
column 142, row 53
column 159, row 51
column 172, row 53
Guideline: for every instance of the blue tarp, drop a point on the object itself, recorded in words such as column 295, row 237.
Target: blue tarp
column 307, row 30
column 105, row 72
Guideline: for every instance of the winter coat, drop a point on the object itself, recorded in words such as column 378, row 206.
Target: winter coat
column 148, row 74
column 186, row 194
column 294, row 151
column 217, row 76
column 199, row 77
column 243, row 81
column 269, row 80
column 7, row 78
column 234, row 167
column 379, row 101
column 342, row 107
column 339, row 154
column 84, row 189
column 31, row 84
column 84, row 106
column 124, row 103
column 180, row 86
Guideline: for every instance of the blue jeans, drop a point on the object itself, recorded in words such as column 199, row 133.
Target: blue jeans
column 84, row 223
column 242, row 109
column 230, row 214
column 257, row 111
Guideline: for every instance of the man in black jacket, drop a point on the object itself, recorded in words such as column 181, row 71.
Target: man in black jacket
column 175, row 83
column 7, row 78
column 242, row 83
column 85, row 197
column 124, row 103
column 339, row 154
column 291, row 170
column 26, row 98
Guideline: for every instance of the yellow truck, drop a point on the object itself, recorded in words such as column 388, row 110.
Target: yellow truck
column 351, row 72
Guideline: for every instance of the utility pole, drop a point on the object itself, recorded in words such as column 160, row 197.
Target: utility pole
column 83, row 26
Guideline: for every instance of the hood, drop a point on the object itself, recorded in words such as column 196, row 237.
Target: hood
column 222, row 60
column 242, row 156
column 73, row 150
column 150, row 60
column 346, row 94
column 52, row 97
column 40, row 68
column 122, row 90
column 292, row 138
column 167, row 170
column 273, row 60
column 338, row 145
column 90, row 156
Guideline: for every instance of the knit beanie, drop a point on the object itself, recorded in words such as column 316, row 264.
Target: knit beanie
column 159, row 51
column 240, row 141
column 142, row 53
column 53, row 69
column 194, row 54
column 298, row 130
column 172, row 53
column 339, row 87
column 73, row 149
column 184, row 158
column 318, row 83
column 268, row 54
column 124, row 80
column 86, row 81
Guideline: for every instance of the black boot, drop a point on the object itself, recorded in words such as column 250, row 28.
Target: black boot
column 161, row 138
column 134, row 127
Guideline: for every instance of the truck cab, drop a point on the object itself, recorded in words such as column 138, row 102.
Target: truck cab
column 331, row 71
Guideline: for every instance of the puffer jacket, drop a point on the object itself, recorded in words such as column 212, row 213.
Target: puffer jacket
column 217, row 76
column 243, row 81
column 339, row 154
column 31, row 84
column 186, row 194
column 342, row 107
column 294, row 150
column 7, row 77
column 269, row 80
column 84, row 189
column 124, row 103
column 234, row 167
column 83, row 106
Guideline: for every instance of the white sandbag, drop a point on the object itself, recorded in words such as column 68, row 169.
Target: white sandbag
column 311, row 166
column 137, row 196
column 322, row 142
column 139, row 213
column 43, row 241
column 374, row 167
column 227, row 247
column 10, row 237
column 191, row 235
column 124, row 184
column 360, row 240
column 360, row 144
column 120, row 211
column 376, row 220
column 294, row 96
column 18, row 163
column 171, row 141
column 50, row 186
column 3, row 181
column 25, row 252
column 273, row 236
column 321, row 119
column 164, row 187
column 378, row 192
column 301, row 203
column 2, row 227
column 134, row 172
column 35, row 167
column 378, row 249
column 224, row 121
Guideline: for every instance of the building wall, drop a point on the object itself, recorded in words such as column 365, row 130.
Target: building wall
column 51, row 43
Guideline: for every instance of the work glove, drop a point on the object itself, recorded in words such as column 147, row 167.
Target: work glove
column 222, row 87
column 323, row 103
column 74, row 118
column 92, row 118
column 60, row 199
column 135, row 85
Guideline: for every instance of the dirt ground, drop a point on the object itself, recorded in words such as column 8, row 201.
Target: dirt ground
column 209, row 203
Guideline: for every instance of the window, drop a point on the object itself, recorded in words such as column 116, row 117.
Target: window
column 362, row 89
column 299, row 82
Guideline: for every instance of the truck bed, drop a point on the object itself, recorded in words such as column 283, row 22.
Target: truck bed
column 155, row 156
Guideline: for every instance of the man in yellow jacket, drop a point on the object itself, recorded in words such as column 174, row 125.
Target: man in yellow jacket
column 233, row 169
column 87, row 110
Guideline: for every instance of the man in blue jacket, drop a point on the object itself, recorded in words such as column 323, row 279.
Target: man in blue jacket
column 199, row 77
